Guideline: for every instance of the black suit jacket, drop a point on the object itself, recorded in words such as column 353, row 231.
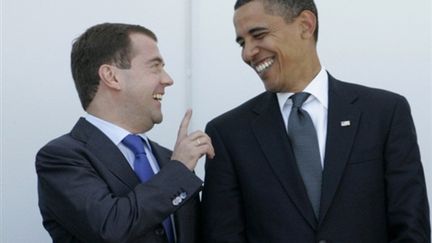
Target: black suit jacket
column 89, row 193
column 373, row 187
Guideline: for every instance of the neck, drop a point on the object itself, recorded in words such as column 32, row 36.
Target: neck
column 115, row 115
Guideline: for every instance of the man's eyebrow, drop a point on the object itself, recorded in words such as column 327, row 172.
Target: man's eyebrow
column 156, row 59
column 251, row 32
column 257, row 29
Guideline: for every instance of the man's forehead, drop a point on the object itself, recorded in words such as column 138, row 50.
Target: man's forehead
column 247, row 18
column 142, row 38
column 146, row 47
column 252, row 11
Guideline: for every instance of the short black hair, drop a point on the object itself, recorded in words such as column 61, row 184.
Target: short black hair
column 107, row 43
column 288, row 9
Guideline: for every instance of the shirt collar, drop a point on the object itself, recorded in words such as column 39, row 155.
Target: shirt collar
column 318, row 88
column 115, row 133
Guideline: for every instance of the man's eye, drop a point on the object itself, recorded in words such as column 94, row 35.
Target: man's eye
column 157, row 65
column 241, row 43
column 259, row 35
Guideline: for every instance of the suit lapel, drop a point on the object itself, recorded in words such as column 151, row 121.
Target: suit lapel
column 269, row 130
column 162, row 155
column 105, row 151
column 342, row 124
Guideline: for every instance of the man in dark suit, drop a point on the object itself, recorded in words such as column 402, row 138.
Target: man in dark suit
column 106, row 181
column 263, row 185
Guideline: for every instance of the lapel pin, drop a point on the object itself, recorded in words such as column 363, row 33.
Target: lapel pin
column 345, row 123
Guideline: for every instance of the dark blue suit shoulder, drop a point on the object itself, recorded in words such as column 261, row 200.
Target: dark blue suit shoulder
column 243, row 111
column 365, row 91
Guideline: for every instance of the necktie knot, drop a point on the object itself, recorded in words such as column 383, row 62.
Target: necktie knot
column 134, row 143
column 299, row 98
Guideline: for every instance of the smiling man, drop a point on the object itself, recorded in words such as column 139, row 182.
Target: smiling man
column 312, row 159
column 105, row 181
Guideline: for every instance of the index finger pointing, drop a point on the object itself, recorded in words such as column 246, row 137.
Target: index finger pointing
column 184, row 125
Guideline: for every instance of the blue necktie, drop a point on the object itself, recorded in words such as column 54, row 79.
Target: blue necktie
column 144, row 171
column 304, row 141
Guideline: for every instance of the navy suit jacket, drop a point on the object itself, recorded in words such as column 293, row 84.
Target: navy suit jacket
column 89, row 193
column 373, row 186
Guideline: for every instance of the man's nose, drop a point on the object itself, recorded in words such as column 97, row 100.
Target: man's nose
column 249, row 51
column 166, row 79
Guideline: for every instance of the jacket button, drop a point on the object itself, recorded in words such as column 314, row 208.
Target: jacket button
column 159, row 231
column 176, row 201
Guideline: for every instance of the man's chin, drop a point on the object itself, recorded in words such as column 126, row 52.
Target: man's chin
column 270, row 87
column 158, row 119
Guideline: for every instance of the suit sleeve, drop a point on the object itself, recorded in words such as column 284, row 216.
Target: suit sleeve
column 408, row 210
column 223, row 217
column 75, row 196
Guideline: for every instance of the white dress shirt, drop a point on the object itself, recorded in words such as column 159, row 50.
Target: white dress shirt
column 117, row 134
column 316, row 105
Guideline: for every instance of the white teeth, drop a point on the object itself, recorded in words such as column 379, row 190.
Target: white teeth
column 157, row 97
column 264, row 65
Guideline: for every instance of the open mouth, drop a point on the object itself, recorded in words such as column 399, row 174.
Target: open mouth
column 157, row 97
column 263, row 66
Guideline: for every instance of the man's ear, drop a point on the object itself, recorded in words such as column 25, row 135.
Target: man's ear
column 108, row 76
column 308, row 24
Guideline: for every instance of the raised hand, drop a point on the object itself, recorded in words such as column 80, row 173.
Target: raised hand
column 190, row 147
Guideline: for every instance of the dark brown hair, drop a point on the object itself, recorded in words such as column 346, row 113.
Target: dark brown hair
column 106, row 43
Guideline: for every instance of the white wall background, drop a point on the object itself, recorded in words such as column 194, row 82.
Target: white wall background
column 386, row 44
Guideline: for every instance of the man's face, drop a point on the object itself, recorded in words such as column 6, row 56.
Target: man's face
column 143, row 85
column 276, row 50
